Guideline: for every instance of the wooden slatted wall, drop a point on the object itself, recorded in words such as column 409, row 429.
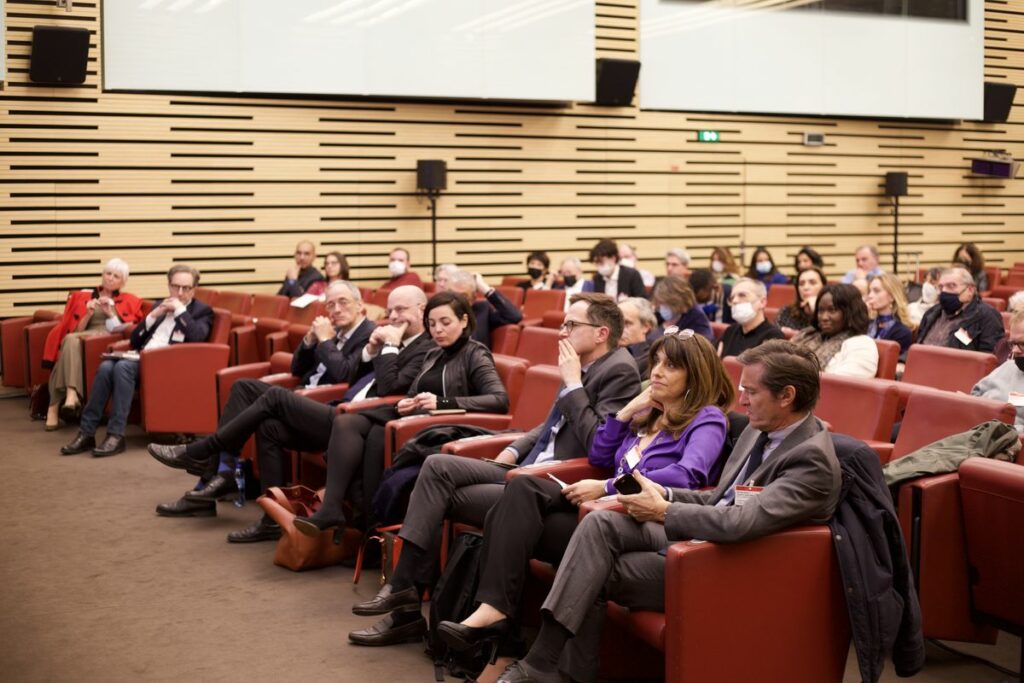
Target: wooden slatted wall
column 230, row 183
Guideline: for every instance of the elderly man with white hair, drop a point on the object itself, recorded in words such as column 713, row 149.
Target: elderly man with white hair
column 573, row 282
column 87, row 312
column 442, row 276
column 491, row 312
column 961, row 320
column 629, row 257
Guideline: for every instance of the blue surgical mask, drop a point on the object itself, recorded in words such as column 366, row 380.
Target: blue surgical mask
column 666, row 313
column 764, row 267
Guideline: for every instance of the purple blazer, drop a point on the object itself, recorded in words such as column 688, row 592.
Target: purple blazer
column 689, row 462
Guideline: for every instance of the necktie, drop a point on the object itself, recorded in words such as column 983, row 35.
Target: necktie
column 754, row 461
column 363, row 381
column 545, row 435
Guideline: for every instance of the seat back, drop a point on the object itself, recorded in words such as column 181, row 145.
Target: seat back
column 235, row 302
column 862, row 408
column 540, row 389
column 379, row 298
column 505, row 339
column 780, row 296
column 303, row 316
column 888, row 358
column 220, row 328
column 206, row 295
column 997, row 303
column 734, row 370
column 539, row 301
column 539, row 345
column 992, row 492
column 993, row 276
column 933, row 414
column 512, row 371
column 718, row 329
column 553, row 319
column 512, row 280
column 514, row 294
column 950, row 369
column 268, row 306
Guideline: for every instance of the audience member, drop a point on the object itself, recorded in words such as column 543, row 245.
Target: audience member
column 612, row 278
column 1015, row 302
column 1006, row 382
column 970, row 256
column 749, row 298
column 399, row 267
column 887, row 306
column 712, row 296
column 494, row 310
column 538, row 266
column 598, row 378
column 673, row 433
column 961, row 320
column 723, row 265
column 177, row 319
column 329, row 352
column 838, row 337
column 572, row 280
column 441, row 276
column 628, row 257
column 800, row 313
column 458, row 373
column 301, row 274
column 807, row 258
column 638, row 321
column 677, row 306
column 335, row 268
column 867, row 264
column 762, row 268
column 612, row 556
column 87, row 312
column 283, row 421
column 929, row 296
column 677, row 263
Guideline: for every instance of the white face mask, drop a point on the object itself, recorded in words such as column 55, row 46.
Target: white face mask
column 396, row 268
column 606, row 269
column 929, row 293
column 717, row 266
column 763, row 267
column 743, row 312
column 628, row 262
column 666, row 313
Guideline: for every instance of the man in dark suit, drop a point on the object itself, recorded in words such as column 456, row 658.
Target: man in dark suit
column 613, row 278
column 177, row 319
column 961, row 320
column 302, row 274
column 491, row 312
column 787, row 471
column 283, row 421
column 598, row 379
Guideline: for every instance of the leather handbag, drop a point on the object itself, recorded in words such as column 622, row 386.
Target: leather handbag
column 295, row 550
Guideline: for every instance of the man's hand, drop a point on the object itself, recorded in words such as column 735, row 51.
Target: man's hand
column 584, row 490
column 647, row 506
column 549, row 280
column 393, row 334
column 166, row 306
column 481, row 284
column 292, row 273
column 569, row 363
column 323, row 329
column 642, row 403
column 506, row 456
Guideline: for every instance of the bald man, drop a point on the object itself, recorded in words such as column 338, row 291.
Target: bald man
column 302, row 274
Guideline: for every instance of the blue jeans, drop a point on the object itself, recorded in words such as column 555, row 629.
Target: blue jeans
column 115, row 380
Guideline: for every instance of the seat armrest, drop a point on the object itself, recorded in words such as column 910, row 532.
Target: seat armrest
column 281, row 379
column 397, row 432
column 243, row 343
column 326, row 393
column 93, row 348
column 276, row 342
column 281, row 362
column 480, row 447
column 35, row 342
column 569, row 471
column 884, row 450
column 122, row 345
column 601, row 504
column 367, row 403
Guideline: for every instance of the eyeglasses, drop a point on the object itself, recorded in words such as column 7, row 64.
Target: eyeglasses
column 570, row 325
column 332, row 304
column 1017, row 347
column 180, row 288
column 682, row 334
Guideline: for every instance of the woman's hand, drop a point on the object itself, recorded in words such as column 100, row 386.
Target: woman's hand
column 641, row 403
column 426, row 401
column 584, row 490
column 406, row 406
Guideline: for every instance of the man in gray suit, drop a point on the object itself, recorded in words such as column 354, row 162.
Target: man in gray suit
column 787, row 473
column 598, row 379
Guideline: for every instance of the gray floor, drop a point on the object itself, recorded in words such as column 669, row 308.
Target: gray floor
column 95, row 587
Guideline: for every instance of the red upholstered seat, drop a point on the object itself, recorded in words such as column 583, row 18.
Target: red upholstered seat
column 539, row 345
column 514, row 294
column 863, row 408
column 780, row 296
column 888, row 358
column 538, row 302
column 943, row 368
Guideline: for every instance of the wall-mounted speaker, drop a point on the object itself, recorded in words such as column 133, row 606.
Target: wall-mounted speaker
column 431, row 175
column 998, row 101
column 59, row 55
column 896, row 184
column 616, row 81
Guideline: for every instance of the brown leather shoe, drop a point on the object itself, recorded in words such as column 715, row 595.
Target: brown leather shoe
column 391, row 630
column 385, row 601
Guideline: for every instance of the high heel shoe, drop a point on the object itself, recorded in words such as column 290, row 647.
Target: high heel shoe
column 71, row 412
column 313, row 527
column 460, row 637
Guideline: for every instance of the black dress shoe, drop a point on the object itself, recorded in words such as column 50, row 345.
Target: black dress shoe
column 461, row 638
column 112, row 445
column 71, row 413
column 174, row 456
column 385, row 601
column 81, row 444
column 258, row 531
column 183, row 507
column 391, row 630
column 216, row 488
column 312, row 526
column 520, row 672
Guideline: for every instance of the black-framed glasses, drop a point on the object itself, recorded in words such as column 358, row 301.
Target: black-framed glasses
column 570, row 325
column 1017, row 347
column 676, row 332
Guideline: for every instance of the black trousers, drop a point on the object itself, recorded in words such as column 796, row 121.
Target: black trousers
column 355, row 464
column 531, row 520
column 281, row 421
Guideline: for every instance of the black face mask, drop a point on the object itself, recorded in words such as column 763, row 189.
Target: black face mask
column 570, row 280
column 950, row 302
column 534, row 273
column 1019, row 362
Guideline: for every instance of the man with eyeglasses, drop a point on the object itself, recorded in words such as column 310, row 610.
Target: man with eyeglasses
column 178, row 319
column 1006, row 383
column 301, row 275
column 961, row 320
column 747, row 302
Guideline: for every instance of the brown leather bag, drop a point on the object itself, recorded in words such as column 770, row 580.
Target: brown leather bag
column 295, row 550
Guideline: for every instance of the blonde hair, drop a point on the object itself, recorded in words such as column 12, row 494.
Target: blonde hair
column 894, row 288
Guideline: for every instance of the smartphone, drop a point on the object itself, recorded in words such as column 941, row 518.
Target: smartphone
column 627, row 485
column 558, row 481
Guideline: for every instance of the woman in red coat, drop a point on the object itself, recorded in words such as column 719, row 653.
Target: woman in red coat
column 87, row 312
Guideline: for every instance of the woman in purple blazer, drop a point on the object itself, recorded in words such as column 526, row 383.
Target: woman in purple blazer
column 674, row 433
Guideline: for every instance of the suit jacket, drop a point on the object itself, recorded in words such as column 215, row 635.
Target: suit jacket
column 609, row 384
column 631, row 283
column 495, row 311
column 307, row 276
column 394, row 372
column 194, row 326
column 982, row 322
column 801, row 480
column 128, row 307
column 342, row 364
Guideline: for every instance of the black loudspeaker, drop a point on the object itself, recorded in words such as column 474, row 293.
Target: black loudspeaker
column 431, row 175
column 896, row 184
column 998, row 101
column 59, row 54
column 616, row 81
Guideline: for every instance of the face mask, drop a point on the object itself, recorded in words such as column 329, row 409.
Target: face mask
column 534, row 272
column 396, row 268
column 764, row 267
column 606, row 269
column 743, row 312
column 570, row 280
column 950, row 302
column 929, row 293
column 1019, row 362
column 666, row 313
column 628, row 262
column 717, row 266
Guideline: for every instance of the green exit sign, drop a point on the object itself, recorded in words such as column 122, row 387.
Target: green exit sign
column 708, row 136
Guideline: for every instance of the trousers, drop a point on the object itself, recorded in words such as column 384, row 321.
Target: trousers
column 115, row 382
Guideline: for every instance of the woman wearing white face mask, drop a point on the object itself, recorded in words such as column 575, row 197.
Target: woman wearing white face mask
column 676, row 305
column 929, row 297
column 748, row 300
column 762, row 268
column 723, row 265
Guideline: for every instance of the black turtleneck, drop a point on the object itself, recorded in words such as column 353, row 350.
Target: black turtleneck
column 433, row 379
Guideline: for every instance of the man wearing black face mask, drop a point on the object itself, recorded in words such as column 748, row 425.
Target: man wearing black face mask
column 1006, row 383
column 571, row 271
column 961, row 320
column 537, row 265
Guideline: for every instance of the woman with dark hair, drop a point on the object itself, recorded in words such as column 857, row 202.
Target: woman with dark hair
column 800, row 313
column 970, row 256
column 807, row 258
column 458, row 373
column 335, row 268
column 676, row 305
column 762, row 268
column 538, row 266
column 673, row 433
column 838, row 336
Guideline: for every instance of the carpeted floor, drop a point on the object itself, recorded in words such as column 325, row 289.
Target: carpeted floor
column 96, row 587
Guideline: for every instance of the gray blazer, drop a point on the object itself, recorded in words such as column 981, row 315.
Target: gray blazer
column 608, row 385
column 801, row 480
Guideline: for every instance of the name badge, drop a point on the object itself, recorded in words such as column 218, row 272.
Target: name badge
column 632, row 457
column 963, row 337
column 177, row 336
column 745, row 493
column 1015, row 399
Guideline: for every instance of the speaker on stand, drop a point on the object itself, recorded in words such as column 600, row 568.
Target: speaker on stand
column 896, row 187
column 431, row 178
